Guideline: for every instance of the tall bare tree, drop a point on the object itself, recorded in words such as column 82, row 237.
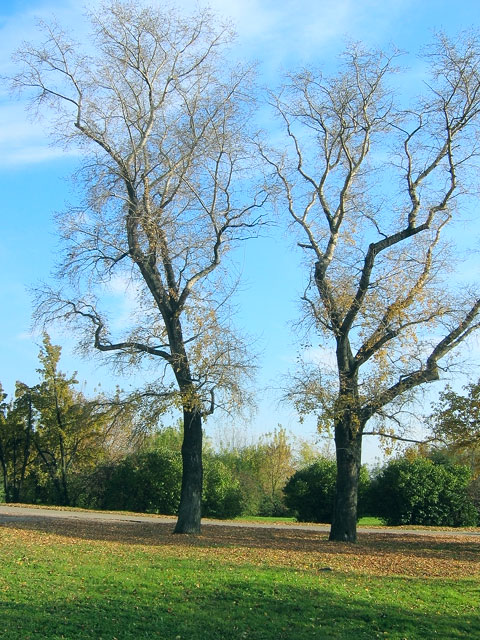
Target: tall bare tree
column 373, row 189
column 160, row 118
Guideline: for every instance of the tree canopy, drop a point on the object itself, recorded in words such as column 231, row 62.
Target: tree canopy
column 456, row 417
column 51, row 433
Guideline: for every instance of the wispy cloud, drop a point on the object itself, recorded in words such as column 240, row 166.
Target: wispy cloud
column 322, row 356
column 24, row 141
column 123, row 299
column 279, row 34
column 296, row 31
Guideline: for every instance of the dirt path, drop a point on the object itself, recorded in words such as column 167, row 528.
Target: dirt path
column 11, row 514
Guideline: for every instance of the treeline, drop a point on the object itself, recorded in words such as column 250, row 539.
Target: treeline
column 59, row 447
column 244, row 481
column 51, row 434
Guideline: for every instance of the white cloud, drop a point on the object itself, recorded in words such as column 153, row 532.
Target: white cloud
column 28, row 336
column 278, row 34
column 302, row 31
column 25, row 142
column 30, row 154
column 122, row 301
column 23, row 139
column 322, row 356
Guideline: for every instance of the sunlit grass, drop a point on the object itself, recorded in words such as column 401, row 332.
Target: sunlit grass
column 370, row 521
column 265, row 519
column 74, row 580
column 367, row 521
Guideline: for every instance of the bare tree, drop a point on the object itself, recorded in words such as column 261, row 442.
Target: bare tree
column 160, row 118
column 373, row 189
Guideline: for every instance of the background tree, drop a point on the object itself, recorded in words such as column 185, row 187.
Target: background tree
column 160, row 118
column 244, row 461
column 275, row 468
column 222, row 495
column 456, row 423
column 262, row 468
column 3, row 421
column 52, row 436
column 69, row 431
column 16, row 428
column 372, row 188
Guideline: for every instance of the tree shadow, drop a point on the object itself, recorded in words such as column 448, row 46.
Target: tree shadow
column 239, row 609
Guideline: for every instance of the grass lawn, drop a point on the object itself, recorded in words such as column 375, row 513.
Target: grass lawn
column 370, row 521
column 367, row 521
column 74, row 579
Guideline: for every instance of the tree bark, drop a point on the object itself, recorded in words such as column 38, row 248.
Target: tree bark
column 190, row 509
column 3, row 462
column 6, row 487
column 65, row 492
column 348, row 446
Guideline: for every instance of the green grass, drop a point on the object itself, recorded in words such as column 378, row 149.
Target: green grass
column 368, row 521
column 265, row 519
column 89, row 585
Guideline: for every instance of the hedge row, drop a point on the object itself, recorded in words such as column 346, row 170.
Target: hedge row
column 416, row 492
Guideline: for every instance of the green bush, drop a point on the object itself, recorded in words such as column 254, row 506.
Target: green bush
column 222, row 497
column 148, row 482
column 423, row 492
column 310, row 492
column 273, row 506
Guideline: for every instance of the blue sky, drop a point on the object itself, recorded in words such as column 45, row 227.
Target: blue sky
column 34, row 183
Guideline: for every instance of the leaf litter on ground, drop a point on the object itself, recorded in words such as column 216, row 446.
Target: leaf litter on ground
column 379, row 554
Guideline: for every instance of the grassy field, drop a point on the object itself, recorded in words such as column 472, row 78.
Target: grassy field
column 367, row 521
column 72, row 579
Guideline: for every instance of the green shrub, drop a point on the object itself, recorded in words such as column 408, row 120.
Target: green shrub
column 273, row 506
column 310, row 492
column 222, row 497
column 148, row 482
column 423, row 492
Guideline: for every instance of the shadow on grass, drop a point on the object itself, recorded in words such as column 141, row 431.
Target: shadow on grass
column 240, row 609
column 141, row 596
column 284, row 539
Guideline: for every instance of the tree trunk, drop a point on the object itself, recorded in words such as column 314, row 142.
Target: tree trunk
column 65, row 492
column 6, row 488
column 61, row 491
column 190, row 509
column 348, row 445
column 27, row 446
column 63, row 469
column 14, row 494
